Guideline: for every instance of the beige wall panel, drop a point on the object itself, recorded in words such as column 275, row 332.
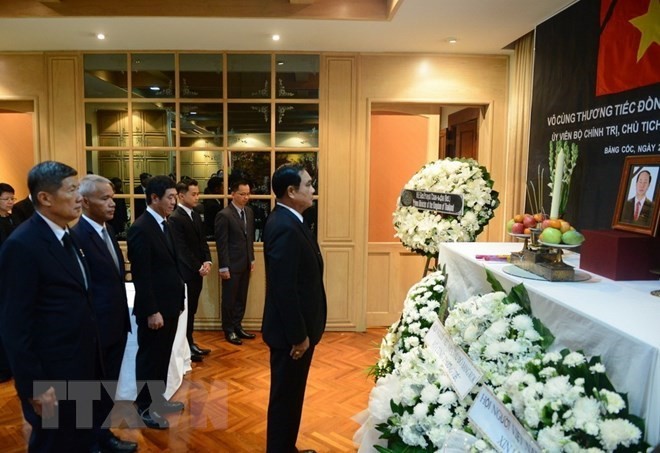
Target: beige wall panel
column 378, row 264
column 23, row 76
column 338, row 150
column 65, row 120
column 392, row 270
column 339, row 272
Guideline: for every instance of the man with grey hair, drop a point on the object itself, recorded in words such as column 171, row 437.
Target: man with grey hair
column 106, row 262
column 47, row 319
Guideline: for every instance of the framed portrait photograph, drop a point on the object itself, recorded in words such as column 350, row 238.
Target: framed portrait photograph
column 638, row 202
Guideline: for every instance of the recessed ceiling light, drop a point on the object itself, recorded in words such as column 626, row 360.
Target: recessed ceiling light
column 276, row 37
column 452, row 40
column 154, row 88
column 280, row 63
column 100, row 36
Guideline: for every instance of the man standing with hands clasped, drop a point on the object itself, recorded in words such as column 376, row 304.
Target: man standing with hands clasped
column 159, row 300
column 194, row 254
column 295, row 310
column 234, row 235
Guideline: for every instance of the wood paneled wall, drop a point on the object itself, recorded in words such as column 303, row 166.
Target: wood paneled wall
column 349, row 84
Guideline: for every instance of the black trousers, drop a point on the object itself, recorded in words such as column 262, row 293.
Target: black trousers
column 113, row 355
column 194, row 286
column 152, row 361
column 234, row 299
column 288, row 379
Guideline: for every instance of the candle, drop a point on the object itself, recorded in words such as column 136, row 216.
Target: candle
column 556, row 187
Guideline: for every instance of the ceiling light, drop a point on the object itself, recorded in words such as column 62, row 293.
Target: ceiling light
column 276, row 37
column 154, row 88
column 452, row 40
column 280, row 63
column 100, row 36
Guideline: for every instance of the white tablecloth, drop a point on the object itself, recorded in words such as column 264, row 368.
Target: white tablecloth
column 617, row 320
column 179, row 360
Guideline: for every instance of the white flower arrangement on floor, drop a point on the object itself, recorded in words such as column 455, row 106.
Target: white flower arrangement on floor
column 564, row 401
column 421, row 231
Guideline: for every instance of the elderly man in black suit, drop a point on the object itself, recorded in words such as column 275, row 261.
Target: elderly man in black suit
column 46, row 315
column 106, row 263
column 159, row 299
column 295, row 310
column 234, row 236
column 194, row 254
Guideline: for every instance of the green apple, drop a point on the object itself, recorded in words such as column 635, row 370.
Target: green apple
column 572, row 237
column 509, row 225
column 551, row 236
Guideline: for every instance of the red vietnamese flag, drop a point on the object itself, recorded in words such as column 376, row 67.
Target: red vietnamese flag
column 629, row 51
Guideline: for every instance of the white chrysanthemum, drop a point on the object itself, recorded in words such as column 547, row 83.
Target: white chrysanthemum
column 597, row 368
column 618, row 432
column 586, row 414
column 551, row 439
column 613, row 401
column 574, row 359
column 430, row 393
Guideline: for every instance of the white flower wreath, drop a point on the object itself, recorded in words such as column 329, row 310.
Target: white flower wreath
column 421, row 231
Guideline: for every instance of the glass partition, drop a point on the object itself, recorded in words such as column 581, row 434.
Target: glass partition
column 200, row 75
column 106, row 75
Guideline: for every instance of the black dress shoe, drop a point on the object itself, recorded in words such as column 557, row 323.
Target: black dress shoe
column 115, row 445
column 199, row 351
column 233, row 339
column 196, row 357
column 306, row 451
column 154, row 420
column 243, row 334
column 169, row 407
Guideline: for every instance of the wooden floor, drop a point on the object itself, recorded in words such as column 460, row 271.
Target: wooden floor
column 226, row 398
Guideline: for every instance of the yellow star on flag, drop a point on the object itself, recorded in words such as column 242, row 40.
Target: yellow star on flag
column 649, row 25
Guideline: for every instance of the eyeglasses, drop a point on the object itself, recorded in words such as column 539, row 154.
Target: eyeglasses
column 8, row 199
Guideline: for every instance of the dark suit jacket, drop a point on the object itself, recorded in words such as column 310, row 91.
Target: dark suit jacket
column 235, row 247
column 22, row 210
column 140, row 201
column 191, row 242
column 295, row 297
column 107, row 284
column 628, row 212
column 158, row 282
column 47, row 319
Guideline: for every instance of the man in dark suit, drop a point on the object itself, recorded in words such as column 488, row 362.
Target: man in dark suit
column 194, row 254
column 234, row 236
column 106, row 263
column 638, row 210
column 295, row 310
column 23, row 210
column 159, row 299
column 140, row 201
column 46, row 315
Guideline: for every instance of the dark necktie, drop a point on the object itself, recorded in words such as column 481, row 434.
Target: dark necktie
column 168, row 238
column 638, row 207
column 71, row 249
column 244, row 221
column 111, row 247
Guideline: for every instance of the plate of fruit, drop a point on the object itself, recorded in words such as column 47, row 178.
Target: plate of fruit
column 559, row 233
column 521, row 224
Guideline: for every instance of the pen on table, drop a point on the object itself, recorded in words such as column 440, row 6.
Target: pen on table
column 500, row 258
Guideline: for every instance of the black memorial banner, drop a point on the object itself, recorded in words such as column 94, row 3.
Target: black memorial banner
column 596, row 84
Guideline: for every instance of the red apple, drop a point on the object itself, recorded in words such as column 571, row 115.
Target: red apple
column 517, row 228
column 545, row 224
column 529, row 221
